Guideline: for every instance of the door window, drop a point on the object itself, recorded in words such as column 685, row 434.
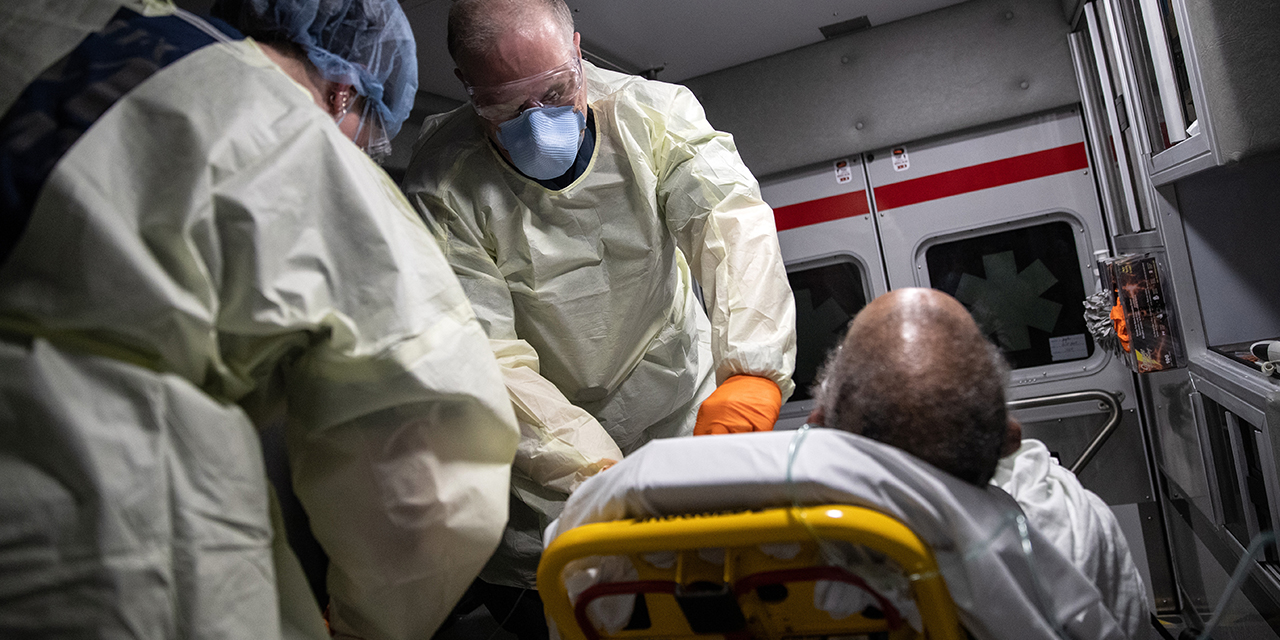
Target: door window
column 827, row 296
column 1024, row 288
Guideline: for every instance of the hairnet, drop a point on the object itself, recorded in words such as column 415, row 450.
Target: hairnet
column 364, row 43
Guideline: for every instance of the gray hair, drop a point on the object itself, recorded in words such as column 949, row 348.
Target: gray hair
column 944, row 403
column 476, row 25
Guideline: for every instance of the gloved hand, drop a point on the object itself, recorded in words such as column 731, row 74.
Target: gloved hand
column 1122, row 328
column 740, row 404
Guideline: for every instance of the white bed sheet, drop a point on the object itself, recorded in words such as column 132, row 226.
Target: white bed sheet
column 1003, row 588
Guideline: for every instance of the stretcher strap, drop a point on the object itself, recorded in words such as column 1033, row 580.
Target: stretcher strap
column 746, row 584
column 813, row 574
column 594, row 592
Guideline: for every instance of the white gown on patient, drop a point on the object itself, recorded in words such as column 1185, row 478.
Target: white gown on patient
column 1081, row 526
column 1000, row 590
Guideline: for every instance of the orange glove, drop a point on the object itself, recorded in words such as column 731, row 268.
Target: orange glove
column 739, row 405
column 1122, row 328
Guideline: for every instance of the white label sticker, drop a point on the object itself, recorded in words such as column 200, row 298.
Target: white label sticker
column 1072, row 347
column 844, row 172
column 900, row 160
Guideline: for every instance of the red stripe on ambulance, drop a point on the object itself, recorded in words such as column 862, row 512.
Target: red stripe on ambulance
column 845, row 205
column 998, row 173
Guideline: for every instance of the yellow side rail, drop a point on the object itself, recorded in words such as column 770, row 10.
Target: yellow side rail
column 741, row 534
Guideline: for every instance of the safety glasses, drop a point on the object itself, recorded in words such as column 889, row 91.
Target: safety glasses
column 370, row 135
column 557, row 87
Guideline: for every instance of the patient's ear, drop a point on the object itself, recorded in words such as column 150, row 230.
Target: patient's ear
column 1012, row 437
column 817, row 417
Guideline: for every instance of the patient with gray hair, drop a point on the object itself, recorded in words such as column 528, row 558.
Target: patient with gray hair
column 915, row 372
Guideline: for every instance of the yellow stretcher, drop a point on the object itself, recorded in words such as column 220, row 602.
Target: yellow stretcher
column 753, row 594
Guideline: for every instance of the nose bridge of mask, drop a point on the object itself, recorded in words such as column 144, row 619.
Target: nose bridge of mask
column 543, row 141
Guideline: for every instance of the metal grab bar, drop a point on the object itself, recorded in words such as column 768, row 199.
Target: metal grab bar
column 1109, row 399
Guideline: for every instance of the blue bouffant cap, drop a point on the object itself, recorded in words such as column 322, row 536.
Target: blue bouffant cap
column 364, row 43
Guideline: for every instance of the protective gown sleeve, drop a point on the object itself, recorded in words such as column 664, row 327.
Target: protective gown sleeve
column 399, row 433
column 561, row 444
column 713, row 207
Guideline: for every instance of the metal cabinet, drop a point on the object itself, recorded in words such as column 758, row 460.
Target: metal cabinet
column 1171, row 91
column 1229, row 494
column 1107, row 100
column 1193, row 84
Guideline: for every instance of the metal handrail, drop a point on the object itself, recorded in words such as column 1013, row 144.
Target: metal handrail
column 1109, row 399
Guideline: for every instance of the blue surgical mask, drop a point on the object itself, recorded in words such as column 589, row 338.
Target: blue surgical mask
column 543, row 141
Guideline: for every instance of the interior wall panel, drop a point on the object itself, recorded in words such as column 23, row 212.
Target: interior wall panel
column 962, row 66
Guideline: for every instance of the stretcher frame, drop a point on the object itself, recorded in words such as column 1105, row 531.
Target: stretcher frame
column 746, row 576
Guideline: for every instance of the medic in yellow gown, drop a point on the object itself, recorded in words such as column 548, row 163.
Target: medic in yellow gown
column 190, row 245
column 578, row 208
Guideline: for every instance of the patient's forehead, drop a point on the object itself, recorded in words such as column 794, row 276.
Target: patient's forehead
column 913, row 314
column 905, row 318
column 922, row 335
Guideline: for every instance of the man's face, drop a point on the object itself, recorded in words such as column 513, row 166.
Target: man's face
column 529, row 67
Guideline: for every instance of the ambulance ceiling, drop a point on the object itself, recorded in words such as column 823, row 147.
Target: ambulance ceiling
column 685, row 38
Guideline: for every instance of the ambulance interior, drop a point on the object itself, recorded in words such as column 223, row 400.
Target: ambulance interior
column 997, row 149
column 1017, row 154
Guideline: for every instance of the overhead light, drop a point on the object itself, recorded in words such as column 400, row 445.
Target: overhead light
column 846, row 27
